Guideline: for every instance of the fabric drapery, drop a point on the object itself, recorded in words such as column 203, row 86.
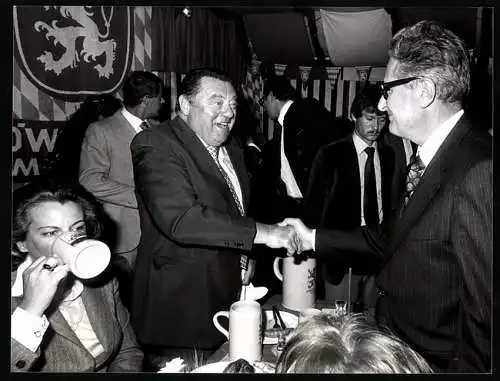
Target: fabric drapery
column 203, row 40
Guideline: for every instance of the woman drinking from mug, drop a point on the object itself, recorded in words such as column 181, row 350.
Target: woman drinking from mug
column 60, row 323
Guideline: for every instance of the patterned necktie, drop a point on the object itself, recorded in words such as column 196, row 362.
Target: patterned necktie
column 214, row 152
column 415, row 172
column 370, row 205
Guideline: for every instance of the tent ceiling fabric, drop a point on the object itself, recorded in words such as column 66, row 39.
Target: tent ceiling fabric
column 355, row 38
column 279, row 37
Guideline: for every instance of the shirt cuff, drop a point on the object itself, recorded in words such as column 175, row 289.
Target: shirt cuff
column 313, row 239
column 28, row 329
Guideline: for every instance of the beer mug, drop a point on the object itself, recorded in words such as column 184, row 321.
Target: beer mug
column 245, row 330
column 299, row 282
column 86, row 257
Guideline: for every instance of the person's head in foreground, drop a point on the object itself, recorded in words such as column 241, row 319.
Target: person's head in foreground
column 208, row 103
column 325, row 343
column 426, row 79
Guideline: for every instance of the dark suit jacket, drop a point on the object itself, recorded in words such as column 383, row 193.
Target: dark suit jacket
column 192, row 237
column 308, row 126
column 62, row 351
column 106, row 172
column 435, row 282
column 333, row 199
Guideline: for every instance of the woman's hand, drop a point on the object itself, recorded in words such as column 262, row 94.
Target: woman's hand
column 40, row 282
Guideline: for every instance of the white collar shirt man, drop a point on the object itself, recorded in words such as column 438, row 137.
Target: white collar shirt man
column 360, row 146
column 428, row 150
column 134, row 121
column 292, row 188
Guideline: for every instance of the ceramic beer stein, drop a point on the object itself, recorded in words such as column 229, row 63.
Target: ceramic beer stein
column 299, row 282
column 245, row 330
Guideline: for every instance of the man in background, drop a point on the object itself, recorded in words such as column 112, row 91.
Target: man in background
column 351, row 186
column 106, row 165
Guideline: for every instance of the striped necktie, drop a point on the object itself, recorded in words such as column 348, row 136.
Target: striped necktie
column 214, row 152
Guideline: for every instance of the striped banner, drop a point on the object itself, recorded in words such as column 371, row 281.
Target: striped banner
column 30, row 103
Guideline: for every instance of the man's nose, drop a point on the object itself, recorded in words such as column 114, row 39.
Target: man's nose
column 382, row 104
column 228, row 111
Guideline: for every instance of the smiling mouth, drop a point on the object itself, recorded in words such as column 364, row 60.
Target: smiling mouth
column 224, row 125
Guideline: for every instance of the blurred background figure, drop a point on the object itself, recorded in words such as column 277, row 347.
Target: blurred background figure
column 106, row 166
column 60, row 323
column 70, row 139
column 327, row 343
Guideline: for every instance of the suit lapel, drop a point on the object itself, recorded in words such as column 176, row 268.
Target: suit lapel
column 194, row 145
column 435, row 175
column 97, row 308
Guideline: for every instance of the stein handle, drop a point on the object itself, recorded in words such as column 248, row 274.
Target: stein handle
column 215, row 320
column 276, row 268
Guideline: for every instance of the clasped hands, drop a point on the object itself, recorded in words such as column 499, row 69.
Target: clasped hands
column 290, row 234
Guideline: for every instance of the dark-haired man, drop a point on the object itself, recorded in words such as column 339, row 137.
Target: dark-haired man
column 350, row 186
column 193, row 191
column 106, row 165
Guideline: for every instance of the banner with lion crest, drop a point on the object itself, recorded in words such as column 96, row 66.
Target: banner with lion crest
column 70, row 52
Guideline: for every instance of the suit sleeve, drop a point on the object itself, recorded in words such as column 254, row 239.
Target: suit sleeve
column 163, row 182
column 472, row 239
column 130, row 357
column 321, row 182
column 95, row 162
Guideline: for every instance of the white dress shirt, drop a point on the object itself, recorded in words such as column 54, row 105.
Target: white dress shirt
column 29, row 329
column 360, row 146
column 292, row 189
column 408, row 149
column 428, row 150
column 134, row 121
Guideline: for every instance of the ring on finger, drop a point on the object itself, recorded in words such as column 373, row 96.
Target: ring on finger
column 48, row 267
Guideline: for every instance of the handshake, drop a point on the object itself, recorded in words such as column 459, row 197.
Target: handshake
column 290, row 234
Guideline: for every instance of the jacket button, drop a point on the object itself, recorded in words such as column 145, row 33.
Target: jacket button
column 20, row 364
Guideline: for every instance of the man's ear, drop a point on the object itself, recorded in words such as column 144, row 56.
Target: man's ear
column 427, row 92
column 184, row 104
column 22, row 247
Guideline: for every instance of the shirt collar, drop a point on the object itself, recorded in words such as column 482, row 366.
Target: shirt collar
column 283, row 111
column 360, row 144
column 17, row 287
column 132, row 119
column 427, row 150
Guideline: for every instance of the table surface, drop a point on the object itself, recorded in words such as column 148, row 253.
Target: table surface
column 268, row 350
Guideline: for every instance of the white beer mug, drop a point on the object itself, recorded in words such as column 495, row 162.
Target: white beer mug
column 86, row 257
column 245, row 330
column 299, row 282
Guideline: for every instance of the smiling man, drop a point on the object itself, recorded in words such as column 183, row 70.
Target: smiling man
column 350, row 186
column 193, row 191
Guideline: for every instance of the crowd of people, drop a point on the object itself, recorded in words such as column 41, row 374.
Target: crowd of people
column 406, row 210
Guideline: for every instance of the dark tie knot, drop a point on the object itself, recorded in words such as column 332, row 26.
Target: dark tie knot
column 144, row 125
column 370, row 151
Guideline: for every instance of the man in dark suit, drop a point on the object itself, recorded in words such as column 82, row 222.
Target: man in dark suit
column 435, row 281
column 106, row 167
column 193, row 191
column 351, row 186
column 301, row 127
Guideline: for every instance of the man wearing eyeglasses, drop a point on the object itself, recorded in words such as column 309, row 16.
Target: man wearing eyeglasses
column 435, row 282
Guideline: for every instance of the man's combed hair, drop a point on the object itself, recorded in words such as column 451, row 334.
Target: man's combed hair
column 190, row 84
column 140, row 84
column 366, row 100
column 328, row 344
column 428, row 49
column 280, row 86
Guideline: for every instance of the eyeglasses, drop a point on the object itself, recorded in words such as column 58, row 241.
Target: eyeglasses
column 386, row 86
